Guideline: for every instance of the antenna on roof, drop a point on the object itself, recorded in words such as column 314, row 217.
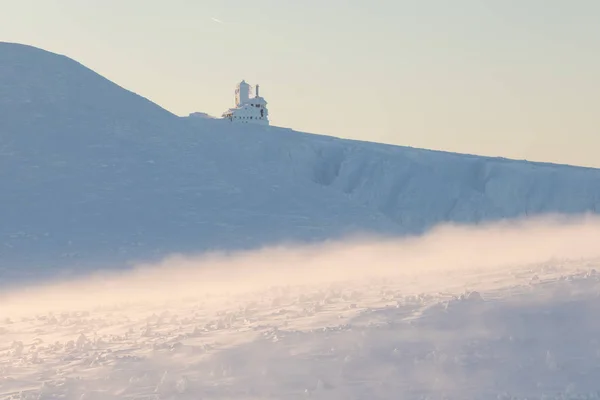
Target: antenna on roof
column 257, row 90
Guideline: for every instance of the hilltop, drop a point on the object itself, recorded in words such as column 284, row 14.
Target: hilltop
column 93, row 174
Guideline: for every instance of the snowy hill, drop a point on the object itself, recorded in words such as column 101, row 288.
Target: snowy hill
column 92, row 173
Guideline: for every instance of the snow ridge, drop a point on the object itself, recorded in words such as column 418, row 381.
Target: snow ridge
column 93, row 174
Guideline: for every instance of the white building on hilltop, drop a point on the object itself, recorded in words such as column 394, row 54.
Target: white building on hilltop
column 248, row 110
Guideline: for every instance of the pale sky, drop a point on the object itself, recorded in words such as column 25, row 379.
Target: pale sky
column 511, row 78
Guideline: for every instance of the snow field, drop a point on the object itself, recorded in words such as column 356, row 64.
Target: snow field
column 354, row 320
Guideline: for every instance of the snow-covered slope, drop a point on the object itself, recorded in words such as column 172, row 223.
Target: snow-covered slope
column 92, row 173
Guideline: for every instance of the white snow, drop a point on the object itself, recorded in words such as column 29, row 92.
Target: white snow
column 505, row 312
column 94, row 177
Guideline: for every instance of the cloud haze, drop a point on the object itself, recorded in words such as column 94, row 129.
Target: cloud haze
column 435, row 261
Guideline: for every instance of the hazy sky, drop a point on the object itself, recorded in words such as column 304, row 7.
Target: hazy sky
column 514, row 78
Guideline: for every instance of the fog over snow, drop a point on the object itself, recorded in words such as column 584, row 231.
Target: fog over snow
column 146, row 255
column 503, row 311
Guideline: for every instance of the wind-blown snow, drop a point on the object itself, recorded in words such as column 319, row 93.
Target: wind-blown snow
column 495, row 312
column 94, row 176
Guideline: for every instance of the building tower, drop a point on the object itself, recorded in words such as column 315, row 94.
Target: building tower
column 242, row 93
column 248, row 110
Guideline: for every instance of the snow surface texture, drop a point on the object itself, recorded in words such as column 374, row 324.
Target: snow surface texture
column 94, row 175
column 501, row 312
